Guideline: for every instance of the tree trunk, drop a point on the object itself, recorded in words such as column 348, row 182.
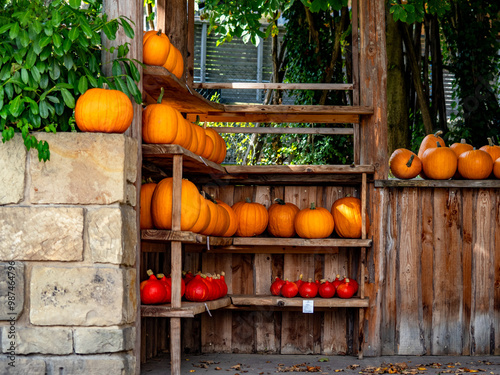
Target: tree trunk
column 438, row 97
column 398, row 131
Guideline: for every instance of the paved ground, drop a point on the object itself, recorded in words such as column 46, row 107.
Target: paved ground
column 254, row 364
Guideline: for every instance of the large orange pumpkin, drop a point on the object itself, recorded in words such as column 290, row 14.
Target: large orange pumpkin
column 103, row 110
column 214, row 217
column 199, row 133
column 404, row 164
column 314, row 222
column 161, row 204
column 347, row 216
column 155, row 48
column 223, row 221
column 204, row 219
column 209, row 146
column 460, row 147
column 439, row 163
column 184, row 132
column 252, row 218
column 147, row 190
column 159, row 123
column 233, row 219
column 492, row 149
column 430, row 141
column 179, row 64
column 281, row 218
column 171, row 60
column 219, row 152
column 475, row 165
column 193, row 145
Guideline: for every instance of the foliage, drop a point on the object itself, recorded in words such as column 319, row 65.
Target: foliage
column 50, row 55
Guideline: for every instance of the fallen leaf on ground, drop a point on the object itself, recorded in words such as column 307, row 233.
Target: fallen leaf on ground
column 236, row 367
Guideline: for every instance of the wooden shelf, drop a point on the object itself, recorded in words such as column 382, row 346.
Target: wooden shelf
column 276, row 301
column 157, row 235
column 187, row 310
column 478, row 184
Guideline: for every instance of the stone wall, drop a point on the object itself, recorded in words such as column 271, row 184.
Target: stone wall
column 68, row 242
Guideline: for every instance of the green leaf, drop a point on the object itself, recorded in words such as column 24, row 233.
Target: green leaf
column 68, row 98
column 48, row 30
column 4, row 28
column 44, row 40
column 74, row 33
column 15, row 106
column 109, row 31
column 93, row 81
column 1, row 97
column 135, row 72
column 87, row 30
column 55, row 70
column 5, row 72
column 30, row 58
column 67, row 45
column 129, row 31
column 24, row 76
column 14, row 31
column 56, row 17
column 35, row 73
column 56, row 39
column 53, row 99
column 68, row 62
column 44, row 81
column 44, row 110
column 121, row 86
column 63, row 85
column 82, row 85
column 116, row 68
column 75, row 4
column 24, row 38
column 33, row 106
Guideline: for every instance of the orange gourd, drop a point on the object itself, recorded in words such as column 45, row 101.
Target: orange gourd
column 281, row 218
column 430, row 141
column 439, row 163
column 347, row 216
column 404, row 164
column 233, row 219
column 492, row 149
column 155, row 48
column 314, row 222
column 161, row 204
column 475, row 165
column 103, row 110
column 252, row 218
column 171, row 61
column 159, row 122
column 145, row 220
column 461, row 147
column 496, row 168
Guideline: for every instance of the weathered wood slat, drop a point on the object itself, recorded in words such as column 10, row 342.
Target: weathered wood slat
column 439, row 183
column 301, row 242
column 467, row 272
column 496, row 254
column 273, row 86
column 312, row 109
column 184, row 236
column 278, row 130
column 187, row 309
column 294, row 118
column 299, row 169
column 251, row 300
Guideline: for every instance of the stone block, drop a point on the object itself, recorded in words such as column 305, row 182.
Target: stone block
column 24, row 366
column 84, row 296
column 12, row 170
column 103, row 340
column 92, row 365
column 11, row 290
column 112, row 235
column 41, row 233
column 131, row 159
column 84, row 168
column 38, row 340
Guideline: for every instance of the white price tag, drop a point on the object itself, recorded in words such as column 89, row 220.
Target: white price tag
column 308, row 306
column 208, row 243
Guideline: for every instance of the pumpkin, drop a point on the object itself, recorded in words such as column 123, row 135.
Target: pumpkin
column 496, row 168
column 155, row 48
column 171, row 60
column 347, row 216
column 276, row 286
column 439, row 163
column 153, row 291
column 159, row 122
column 461, row 147
column 314, row 222
column 223, row 221
column 196, row 290
column 209, row 146
column 214, row 216
column 219, row 151
column 179, row 64
column 281, row 218
column 233, row 219
column 161, row 204
column 193, row 145
column 475, row 165
column 326, row 289
column 492, row 149
column 308, row 289
column 346, row 289
column 404, row 164
column 289, row 289
column 184, row 132
column 252, row 218
column 145, row 219
column 204, row 219
column 430, row 141
column 201, row 137
column 103, row 110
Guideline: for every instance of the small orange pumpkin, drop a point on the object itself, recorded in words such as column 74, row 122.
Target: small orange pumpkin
column 347, row 215
column 281, row 218
column 159, row 122
column 171, row 60
column 430, row 141
column 155, row 48
column 475, row 165
column 178, row 69
column 204, row 219
column 314, row 222
column 193, row 145
column 404, row 164
column 147, row 190
column 219, row 152
column 103, row 110
column 492, row 149
column 496, row 168
column 223, row 221
column 161, row 204
column 209, row 146
column 461, row 147
column 199, row 133
column 233, row 219
column 439, row 163
column 214, row 216
column 184, row 132
column 252, row 218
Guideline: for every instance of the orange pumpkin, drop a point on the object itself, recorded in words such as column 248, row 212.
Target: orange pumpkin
column 404, row 164
column 314, row 222
column 209, row 146
column 233, row 219
column 461, row 147
column 219, row 152
column 161, row 204
column 179, row 64
column 439, row 163
column 430, row 141
column 199, row 133
column 214, row 216
column 496, row 168
column 171, row 60
column 492, row 149
column 281, row 218
column 159, row 122
column 103, row 110
column 147, row 190
column 223, row 221
column 475, row 165
column 252, row 218
column 347, row 216
column 184, row 132
column 193, row 145
column 204, row 219
column 155, row 48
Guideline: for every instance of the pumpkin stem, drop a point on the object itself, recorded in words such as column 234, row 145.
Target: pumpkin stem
column 410, row 161
column 149, row 272
column 159, row 32
column 346, row 280
column 463, row 141
column 438, row 144
column 210, row 198
column 438, row 133
column 248, row 200
column 279, row 201
column 490, row 141
column 161, row 96
column 223, row 273
column 322, row 281
column 313, row 206
column 160, row 275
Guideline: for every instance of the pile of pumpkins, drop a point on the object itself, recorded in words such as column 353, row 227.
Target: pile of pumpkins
column 343, row 288
column 157, row 50
column 157, row 289
column 163, row 124
column 202, row 214
column 437, row 162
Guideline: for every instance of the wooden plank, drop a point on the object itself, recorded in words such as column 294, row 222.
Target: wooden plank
column 294, row 118
column 216, row 332
column 282, row 179
column 279, row 130
column 467, row 245
column 187, row 309
column 288, row 109
column 483, row 184
column 260, row 250
column 446, row 317
column 190, row 44
column 273, row 86
column 495, row 197
column 162, row 235
column 175, row 346
column 278, row 301
column 301, row 242
column 299, row 169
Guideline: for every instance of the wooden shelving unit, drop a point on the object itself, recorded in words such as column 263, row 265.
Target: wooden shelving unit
column 187, row 310
column 276, row 301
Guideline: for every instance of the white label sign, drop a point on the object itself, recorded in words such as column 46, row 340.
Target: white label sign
column 308, row 306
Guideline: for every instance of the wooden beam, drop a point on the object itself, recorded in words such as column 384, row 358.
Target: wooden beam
column 273, row 86
column 298, row 118
column 284, row 109
column 418, row 183
column 273, row 130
